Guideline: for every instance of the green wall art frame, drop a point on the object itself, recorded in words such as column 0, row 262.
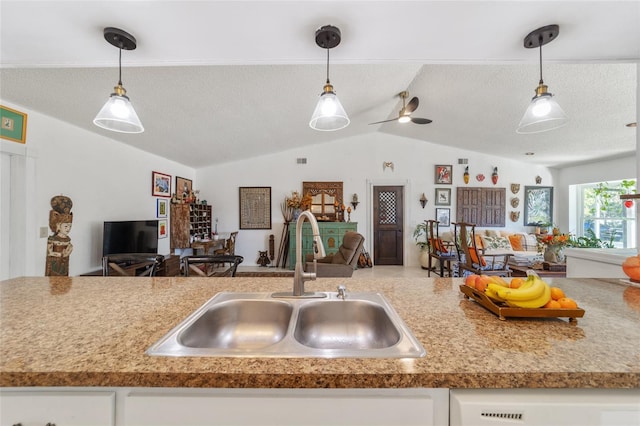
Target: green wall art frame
column 13, row 125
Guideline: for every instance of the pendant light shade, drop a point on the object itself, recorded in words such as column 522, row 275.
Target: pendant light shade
column 543, row 113
column 118, row 114
column 329, row 114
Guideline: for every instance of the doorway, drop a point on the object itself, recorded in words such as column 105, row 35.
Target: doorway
column 388, row 202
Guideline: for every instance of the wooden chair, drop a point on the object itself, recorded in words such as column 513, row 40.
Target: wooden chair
column 229, row 248
column 472, row 260
column 208, row 266
column 443, row 251
column 131, row 264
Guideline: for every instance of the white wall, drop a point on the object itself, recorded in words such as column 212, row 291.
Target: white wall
column 357, row 162
column 105, row 179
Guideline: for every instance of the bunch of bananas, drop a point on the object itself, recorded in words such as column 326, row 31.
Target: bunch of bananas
column 534, row 293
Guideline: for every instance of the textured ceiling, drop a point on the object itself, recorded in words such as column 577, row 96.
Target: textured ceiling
column 216, row 81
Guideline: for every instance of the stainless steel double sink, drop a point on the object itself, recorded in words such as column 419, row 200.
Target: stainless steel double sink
column 362, row 325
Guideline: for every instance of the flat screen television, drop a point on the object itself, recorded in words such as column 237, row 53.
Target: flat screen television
column 130, row 236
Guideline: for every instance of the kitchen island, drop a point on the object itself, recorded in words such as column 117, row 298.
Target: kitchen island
column 72, row 351
column 93, row 331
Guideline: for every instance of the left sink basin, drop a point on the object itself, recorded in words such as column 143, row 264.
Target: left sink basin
column 238, row 324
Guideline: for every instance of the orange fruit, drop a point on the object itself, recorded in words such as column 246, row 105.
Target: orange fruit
column 631, row 267
column 557, row 293
column 552, row 304
column 567, row 303
column 516, row 282
column 470, row 280
column 481, row 282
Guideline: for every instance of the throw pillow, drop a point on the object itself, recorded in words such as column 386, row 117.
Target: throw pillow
column 492, row 233
column 474, row 258
column 496, row 243
column 516, row 242
column 530, row 243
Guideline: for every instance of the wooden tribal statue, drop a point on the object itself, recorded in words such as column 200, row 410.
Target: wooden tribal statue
column 59, row 245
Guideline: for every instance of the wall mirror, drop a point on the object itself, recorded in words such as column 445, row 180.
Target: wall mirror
column 538, row 205
column 324, row 198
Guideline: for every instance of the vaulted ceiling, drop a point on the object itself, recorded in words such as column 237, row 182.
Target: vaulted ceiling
column 217, row 81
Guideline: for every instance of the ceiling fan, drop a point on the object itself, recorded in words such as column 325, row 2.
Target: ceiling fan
column 405, row 113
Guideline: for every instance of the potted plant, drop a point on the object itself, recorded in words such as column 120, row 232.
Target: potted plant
column 420, row 236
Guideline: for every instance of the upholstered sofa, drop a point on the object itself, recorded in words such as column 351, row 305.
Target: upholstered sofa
column 522, row 246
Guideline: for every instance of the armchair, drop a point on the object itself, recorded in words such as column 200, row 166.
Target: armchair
column 343, row 262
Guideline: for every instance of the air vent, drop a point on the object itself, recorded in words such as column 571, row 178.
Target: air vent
column 506, row 416
column 301, row 160
column 463, row 161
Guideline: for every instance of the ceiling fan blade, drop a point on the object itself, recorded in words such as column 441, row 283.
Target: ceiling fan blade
column 385, row 121
column 420, row 120
column 412, row 105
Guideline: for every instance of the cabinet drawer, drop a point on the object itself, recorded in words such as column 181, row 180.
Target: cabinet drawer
column 75, row 408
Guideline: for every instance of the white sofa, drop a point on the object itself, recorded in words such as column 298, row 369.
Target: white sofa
column 521, row 245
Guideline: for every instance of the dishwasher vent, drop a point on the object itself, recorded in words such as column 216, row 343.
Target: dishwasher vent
column 506, row 416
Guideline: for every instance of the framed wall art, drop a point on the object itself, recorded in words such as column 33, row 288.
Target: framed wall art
column 13, row 125
column 443, row 216
column 443, row 174
column 443, row 197
column 160, row 184
column 255, row 207
column 162, row 207
column 183, row 187
column 162, row 229
column 538, row 205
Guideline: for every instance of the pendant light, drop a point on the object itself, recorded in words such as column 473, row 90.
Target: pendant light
column 329, row 114
column 544, row 113
column 118, row 114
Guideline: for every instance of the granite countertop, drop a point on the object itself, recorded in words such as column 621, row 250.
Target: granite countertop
column 93, row 331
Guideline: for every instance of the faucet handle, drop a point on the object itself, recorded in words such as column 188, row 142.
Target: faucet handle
column 342, row 291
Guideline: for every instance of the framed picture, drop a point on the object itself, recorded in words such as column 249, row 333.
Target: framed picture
column 443, row 216
column 183, row 187
column 161, row 207
column 13, row 125
column 443, row 197
column 162, row 229
column 255, row 207
column 443, row 174
column 160, row 184
column 538, row 205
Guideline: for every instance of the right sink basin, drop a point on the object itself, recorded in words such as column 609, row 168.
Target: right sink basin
column 345, row 324
column 362, row 325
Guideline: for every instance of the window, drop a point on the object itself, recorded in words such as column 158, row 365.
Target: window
column 602, row 213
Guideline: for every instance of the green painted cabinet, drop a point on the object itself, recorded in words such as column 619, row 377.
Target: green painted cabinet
column 330, row 232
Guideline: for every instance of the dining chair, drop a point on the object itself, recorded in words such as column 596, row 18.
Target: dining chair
column 209, row 266
column 131, row 264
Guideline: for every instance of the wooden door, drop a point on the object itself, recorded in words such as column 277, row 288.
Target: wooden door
column 387, row 225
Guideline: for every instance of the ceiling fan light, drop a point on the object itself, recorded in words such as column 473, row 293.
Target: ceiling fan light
column 118, row 115
column 404, row 119
column 329, row 114
column 542, row 115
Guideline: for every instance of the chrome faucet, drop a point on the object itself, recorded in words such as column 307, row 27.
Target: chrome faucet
column 299, row 275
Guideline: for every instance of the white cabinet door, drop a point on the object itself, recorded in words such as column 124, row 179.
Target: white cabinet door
column 61, row 408
column 543, row 407
column 283, row 407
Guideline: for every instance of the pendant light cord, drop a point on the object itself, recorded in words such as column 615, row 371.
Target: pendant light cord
column 120, row 65
column 540, row 40
column 328, row 66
